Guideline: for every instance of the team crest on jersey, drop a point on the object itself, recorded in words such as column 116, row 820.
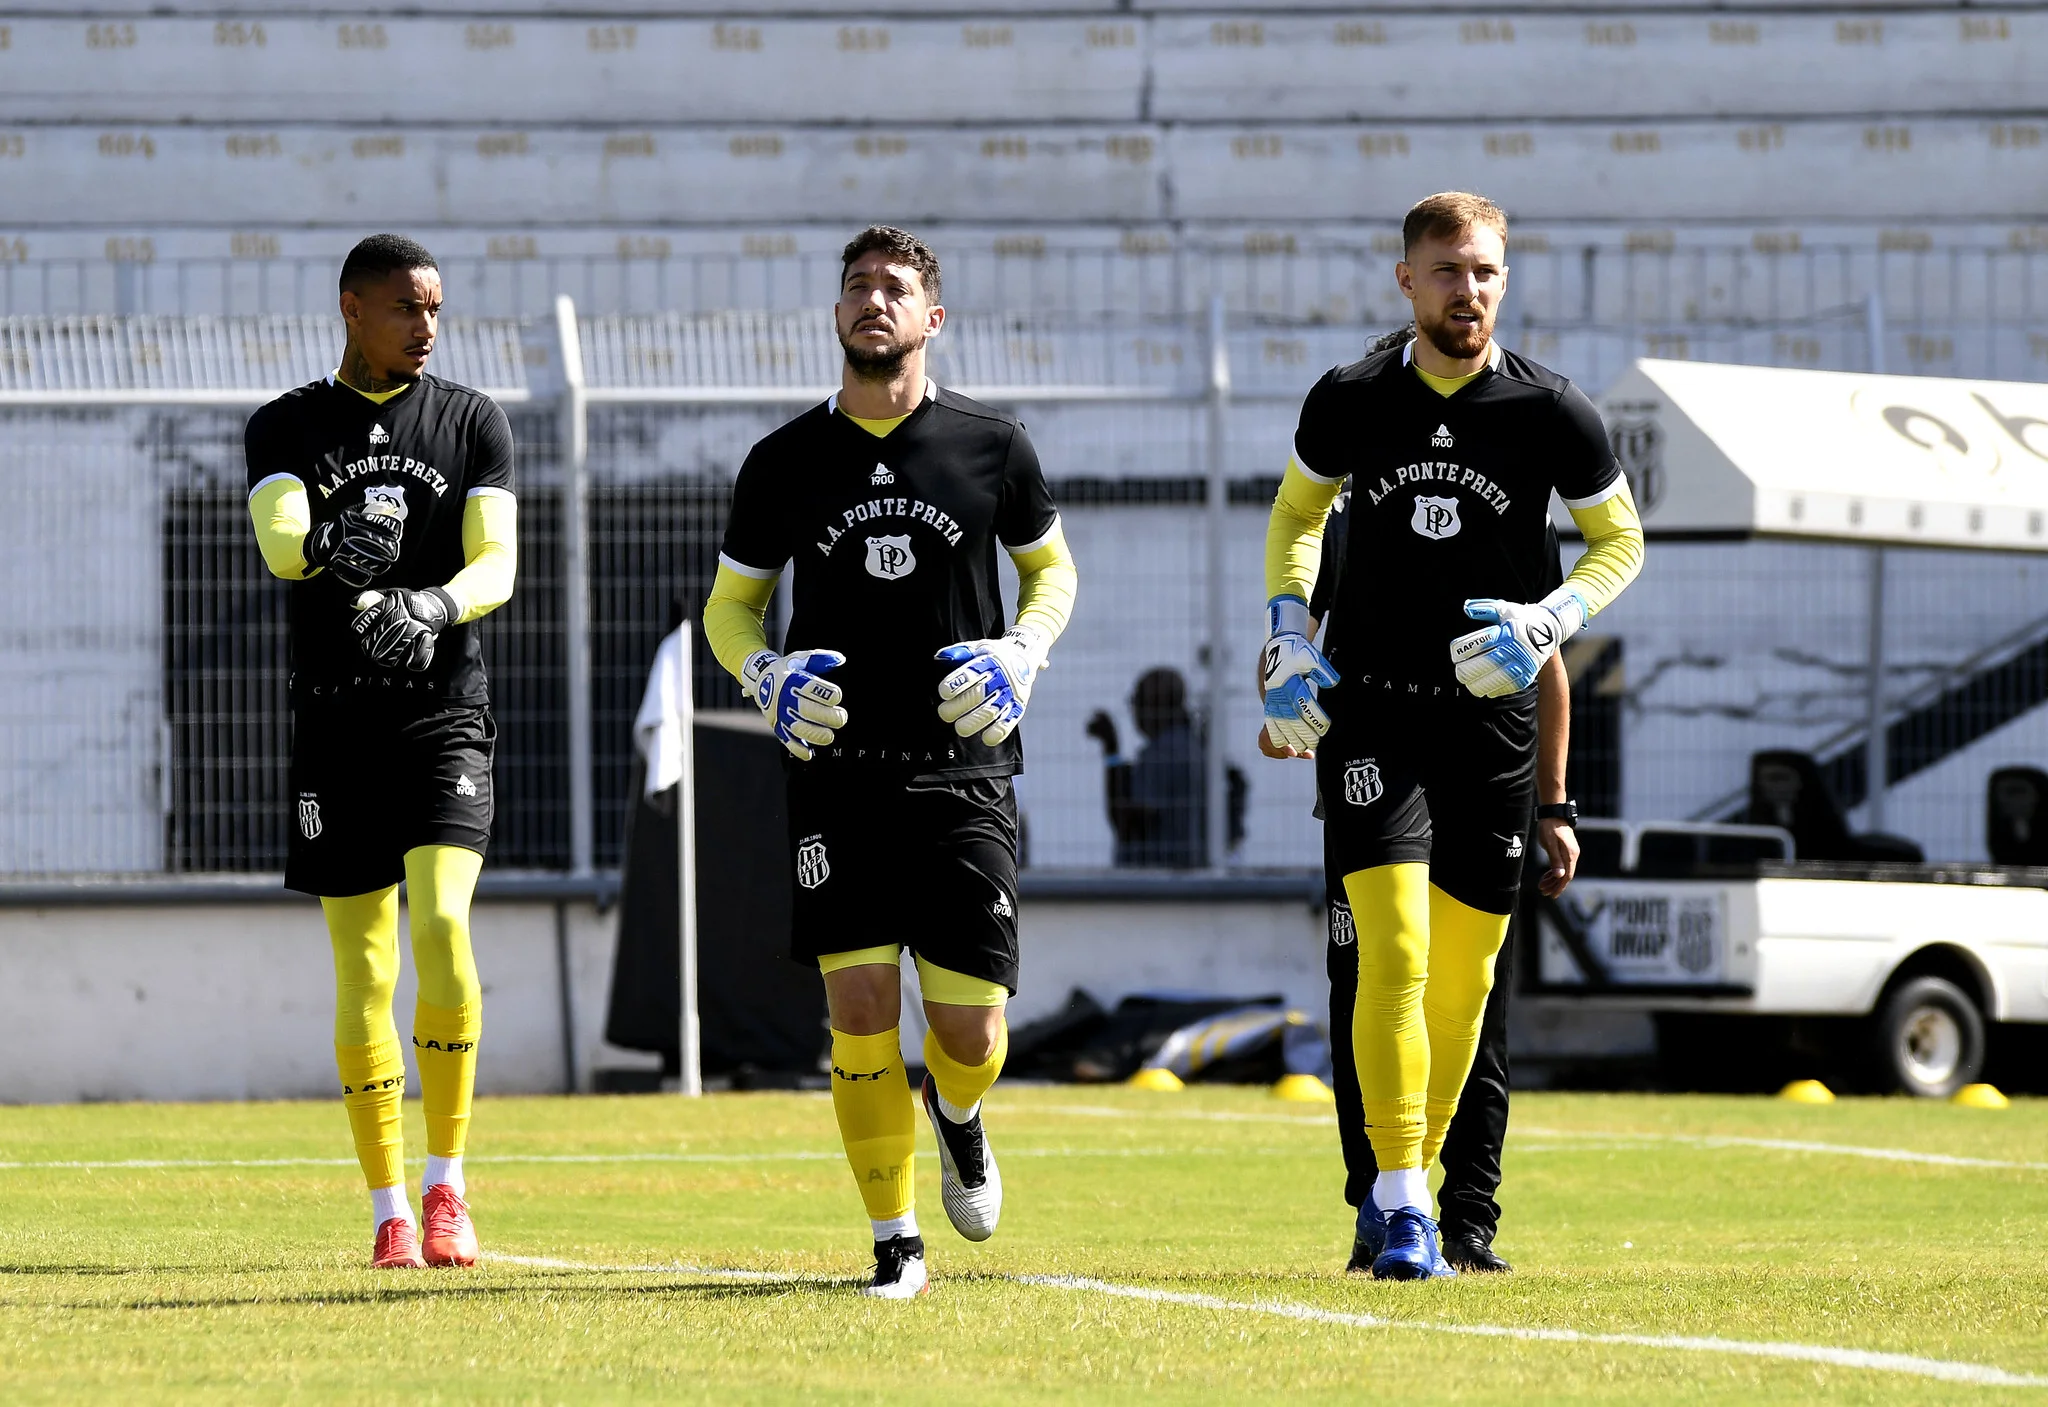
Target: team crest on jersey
column 1343, row 931
column 882, row 475
column 812, row 868
column 1435, row 517
column 309, row 817
column 1362, row 784
column 388, row 499
column 890, row 558
column 379, row 435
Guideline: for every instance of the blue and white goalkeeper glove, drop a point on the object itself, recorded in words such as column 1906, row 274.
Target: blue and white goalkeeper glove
column 800, row 705
column 988, row 693
column 1506, row 656
column 1292, row 670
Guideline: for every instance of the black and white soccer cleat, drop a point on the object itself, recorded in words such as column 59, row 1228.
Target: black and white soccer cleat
column 969, row 1184
column 899, row 1270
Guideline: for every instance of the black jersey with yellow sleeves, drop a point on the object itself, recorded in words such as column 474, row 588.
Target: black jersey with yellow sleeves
column 894, row 541
column 1450, row 499
column 420, row 455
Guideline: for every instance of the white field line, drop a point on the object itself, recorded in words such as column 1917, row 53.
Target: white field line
column 1616, row 1137
column 601, row 1158
column 1868, row 1360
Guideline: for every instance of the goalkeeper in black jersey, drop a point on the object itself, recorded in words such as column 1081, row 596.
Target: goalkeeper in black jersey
column 384, row 495
column 1424, row 728
column 897, row 695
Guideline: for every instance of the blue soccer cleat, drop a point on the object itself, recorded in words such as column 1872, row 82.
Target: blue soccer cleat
column 1413, row 1251
column 1370, row 1238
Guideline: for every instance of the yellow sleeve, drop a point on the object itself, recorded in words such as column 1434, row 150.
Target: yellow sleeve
column 490, row 547
column 736, row 615
column 1614, row 546
column 1046, row 582
column 282, row 515
column 1294, row 534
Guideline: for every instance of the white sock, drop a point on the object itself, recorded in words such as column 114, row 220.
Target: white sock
column 905, row 1225
column 442, row 1171
column 1404, row 1187
column 388, row 1202
column 953, row 1111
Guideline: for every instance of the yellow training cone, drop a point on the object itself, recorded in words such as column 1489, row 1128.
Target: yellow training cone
column 1980, row 1097
column 1807, row 1092
column 1156, row 1077
column 1304, row 1089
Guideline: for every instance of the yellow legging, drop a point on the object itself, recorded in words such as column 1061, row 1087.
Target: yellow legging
column 1425, row 966
column 448, row 1018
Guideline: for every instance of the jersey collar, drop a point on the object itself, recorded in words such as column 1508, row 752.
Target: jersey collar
column 1493, row 354
column 374, row 398
column 931, row 393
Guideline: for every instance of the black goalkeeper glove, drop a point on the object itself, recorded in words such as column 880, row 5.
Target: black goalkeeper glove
column 401, row 627
column 358, row 545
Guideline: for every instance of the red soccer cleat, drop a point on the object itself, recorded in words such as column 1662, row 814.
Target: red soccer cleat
column 398, row 1246
column 451, row 1239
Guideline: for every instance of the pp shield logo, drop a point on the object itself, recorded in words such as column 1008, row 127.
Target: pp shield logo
column 388, row 499
column 812, row 868
column 1343, row 930
column 309, row 817
column 890, row 558
column 1362, row 784
column 1435, row 518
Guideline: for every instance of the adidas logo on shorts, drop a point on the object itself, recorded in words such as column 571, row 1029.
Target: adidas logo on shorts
column 1001, row 907
column 464, row 786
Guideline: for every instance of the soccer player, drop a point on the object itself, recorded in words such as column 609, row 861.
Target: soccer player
column 384, row 495
column 1471, row 1156
column 898, row 698
column 1424, row 731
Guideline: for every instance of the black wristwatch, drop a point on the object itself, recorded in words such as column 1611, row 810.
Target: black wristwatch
column 1566, row 811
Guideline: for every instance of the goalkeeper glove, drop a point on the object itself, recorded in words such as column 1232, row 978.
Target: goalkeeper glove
column 1505, row 657
column 1292, row 670
column 988, row 693
column 401, row 627
column 800, row 705
column 358, row 545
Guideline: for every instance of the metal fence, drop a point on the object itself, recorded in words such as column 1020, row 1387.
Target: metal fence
column 142, row 718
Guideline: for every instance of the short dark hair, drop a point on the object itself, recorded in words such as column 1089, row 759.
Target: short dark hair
column 1449, row 213
column 383, row 254
column 902, row 247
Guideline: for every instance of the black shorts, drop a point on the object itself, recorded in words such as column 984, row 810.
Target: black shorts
column 932, row 864
column 371, row 780
column 1435, row 777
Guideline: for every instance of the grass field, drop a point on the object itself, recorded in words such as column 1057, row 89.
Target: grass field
column 1187, row 1247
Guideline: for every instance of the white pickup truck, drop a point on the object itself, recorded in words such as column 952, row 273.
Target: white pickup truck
column 1731, row 942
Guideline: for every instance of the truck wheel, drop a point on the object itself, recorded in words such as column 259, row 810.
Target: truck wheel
column 1929, row 1038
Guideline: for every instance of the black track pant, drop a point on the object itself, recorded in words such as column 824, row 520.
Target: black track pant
column 1472, row 1146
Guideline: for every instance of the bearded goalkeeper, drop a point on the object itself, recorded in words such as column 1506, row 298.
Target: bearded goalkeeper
column 1423, row 728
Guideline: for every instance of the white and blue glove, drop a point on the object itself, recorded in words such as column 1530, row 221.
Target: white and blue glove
column 1505, row 656
column 1292, row 669
column 988, row 693
column 798, row 702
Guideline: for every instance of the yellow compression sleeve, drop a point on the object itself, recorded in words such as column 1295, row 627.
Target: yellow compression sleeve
column 1294, row 534
column 364, row 932
column 283, row 515
column 490, row 547
column 1614, row 546
column 1463, row 942
column 736, row 615
column 1046, row 582
column 447, row 1019
column 877, row 1119
column 960, row 1085
column 1389, row 1039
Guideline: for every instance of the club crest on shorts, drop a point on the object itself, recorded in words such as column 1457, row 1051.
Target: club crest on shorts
column 1343, row 931
column 812, row 868
column 388, row 499
column 309, row 817
column 890, row 558
column 1362, row 785
column 1435, row 517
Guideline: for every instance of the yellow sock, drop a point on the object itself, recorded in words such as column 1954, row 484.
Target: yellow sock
column 877, row 1120
column 1463, row 942
column 448, row 1019
column 373, row 1092
column 962, row 1086
column 363, row 929
column 1390, row 909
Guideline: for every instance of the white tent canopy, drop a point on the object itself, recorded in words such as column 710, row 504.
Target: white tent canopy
column 1906, row 460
